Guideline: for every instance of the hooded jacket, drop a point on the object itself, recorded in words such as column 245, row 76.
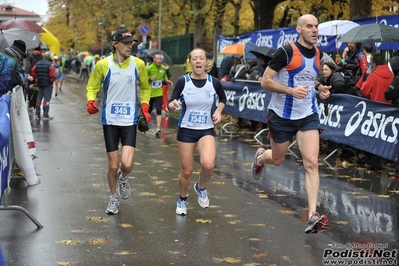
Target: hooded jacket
column 377, row 83
column 392, row 93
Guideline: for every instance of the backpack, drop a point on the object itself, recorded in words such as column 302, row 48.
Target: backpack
column 5, row 77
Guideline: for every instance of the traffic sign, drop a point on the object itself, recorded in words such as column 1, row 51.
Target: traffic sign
column 144, row 29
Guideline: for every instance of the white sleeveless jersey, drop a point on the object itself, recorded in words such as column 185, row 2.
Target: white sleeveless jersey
column 197, row 104
column 301, row 72
column 121, row 95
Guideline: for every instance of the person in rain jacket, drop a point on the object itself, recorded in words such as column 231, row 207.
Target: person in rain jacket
column 378, row 81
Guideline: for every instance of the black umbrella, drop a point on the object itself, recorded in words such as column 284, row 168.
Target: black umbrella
column 166, row 58
column 371, row 33
column 263, row 51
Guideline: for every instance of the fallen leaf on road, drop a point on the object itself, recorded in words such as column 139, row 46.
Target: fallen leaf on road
column 98, row 219
column 260, row 225
column 126, row 225
column 287, row 212
column 263, row 196
column 259, row 255
column 341, row 222
column 99, row 241
column 203, row 221
column 125, row 253
column 158, row 182
column 147, row 194
column 218, row 183
column 228, row 260
column 68, row 242
column 383, row 196
column 99, row 185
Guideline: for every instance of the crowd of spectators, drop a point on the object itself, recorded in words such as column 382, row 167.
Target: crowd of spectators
column 358, row 72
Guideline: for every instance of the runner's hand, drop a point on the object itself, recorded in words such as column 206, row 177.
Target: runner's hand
column 92, row 107
column 144, row 109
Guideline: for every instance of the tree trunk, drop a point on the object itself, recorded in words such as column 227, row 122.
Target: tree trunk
column 360, row 10
column 219, row 14
column 264, row 13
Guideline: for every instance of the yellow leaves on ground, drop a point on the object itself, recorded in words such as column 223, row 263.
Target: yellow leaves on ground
column 227, row 259
column 287, row 212
column 263, row 196
column 100, row 185
column 64, row 263
column 124, row 253
column 203, row 221
column 228, row 152
column 126, row 225
column 259, row 255
column 158, row 182
column 159, row 200
column 218, row 183
column 394, row 191
column 235, row 222
column 346, row 164
column 383, row 196
column 148, row 194
column 341, row 222
column 99, row 241
column 230, row 215
column 98, row 219
column 68, row 242
column 258, row 225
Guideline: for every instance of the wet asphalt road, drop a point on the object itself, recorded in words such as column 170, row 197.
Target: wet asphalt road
column 248, row 223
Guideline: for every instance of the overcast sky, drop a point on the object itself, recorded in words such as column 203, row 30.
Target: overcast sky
column 40, row 7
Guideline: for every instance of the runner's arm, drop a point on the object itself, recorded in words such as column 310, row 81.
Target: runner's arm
column 145, row 89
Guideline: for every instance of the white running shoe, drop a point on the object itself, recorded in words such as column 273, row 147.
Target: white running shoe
column 123, row 187
column 203, row 199
column 181, row 208
column 112, row 206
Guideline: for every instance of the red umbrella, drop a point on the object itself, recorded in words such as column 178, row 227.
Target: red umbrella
column 21, row 24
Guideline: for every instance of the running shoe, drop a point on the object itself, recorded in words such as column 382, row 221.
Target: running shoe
column 123, row 186
column 181, row 208
column 203, row 199
column 257, row 168
column 48, row 118
column 112, row 206
column 316, row 223
column 157, row 133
